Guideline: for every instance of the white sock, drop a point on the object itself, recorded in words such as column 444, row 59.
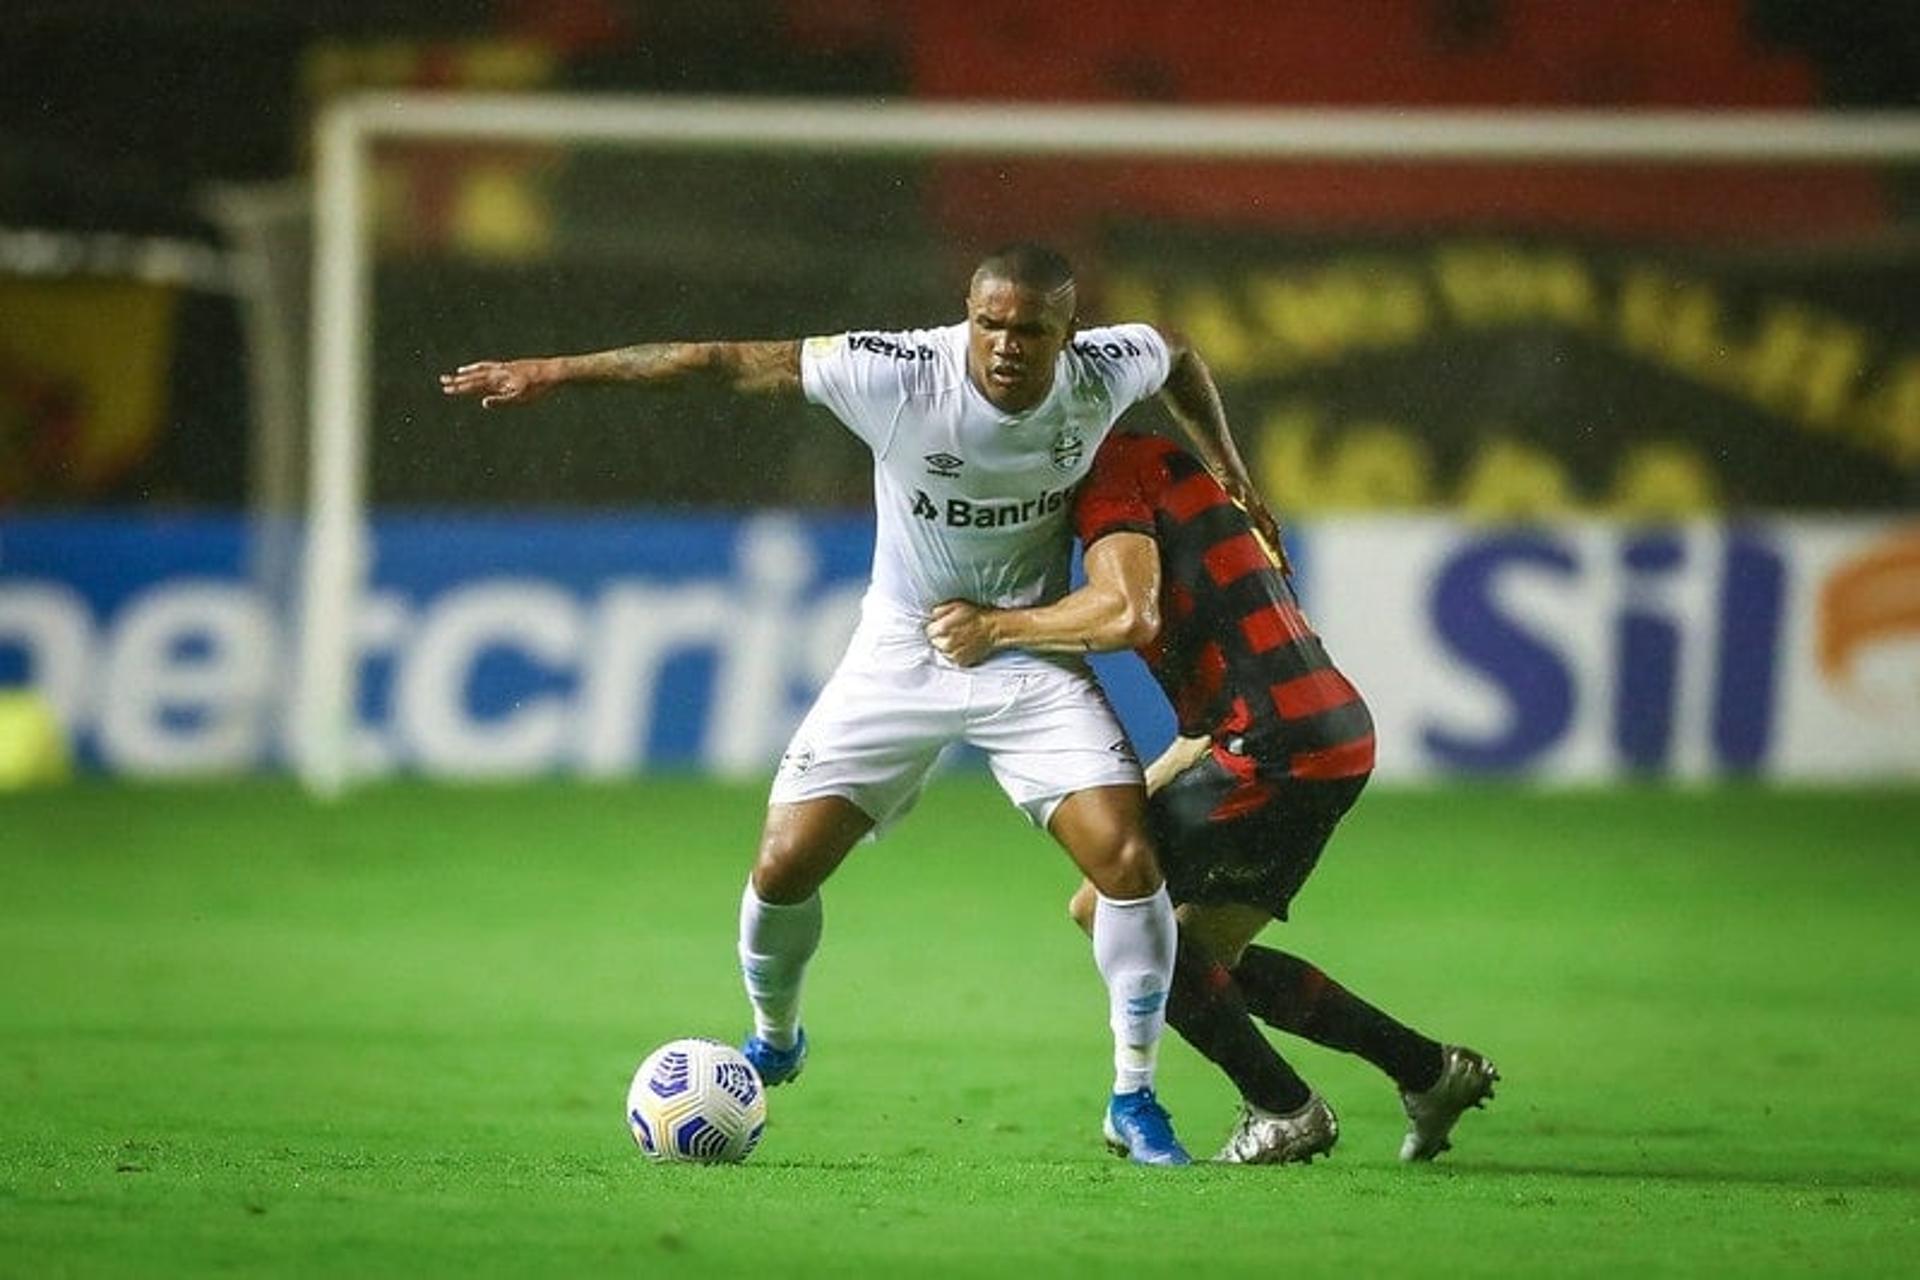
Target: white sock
column 776, row 941
column 1133, row 944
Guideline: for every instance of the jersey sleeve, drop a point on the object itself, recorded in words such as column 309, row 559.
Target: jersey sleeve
column 1118, row 494
column 861, row 378
column 1133, row 359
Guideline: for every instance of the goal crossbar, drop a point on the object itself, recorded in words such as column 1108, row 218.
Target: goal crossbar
column 772, row 124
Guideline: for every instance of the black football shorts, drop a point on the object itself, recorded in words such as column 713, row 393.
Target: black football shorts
column 1234, row 828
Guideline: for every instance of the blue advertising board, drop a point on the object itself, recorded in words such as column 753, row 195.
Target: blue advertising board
column 603, row 645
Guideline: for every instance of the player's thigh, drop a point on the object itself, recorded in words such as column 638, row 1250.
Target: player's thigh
column 1049, row 732
column 870, row 739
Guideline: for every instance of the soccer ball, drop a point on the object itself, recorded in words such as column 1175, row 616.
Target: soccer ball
column 697, row 1100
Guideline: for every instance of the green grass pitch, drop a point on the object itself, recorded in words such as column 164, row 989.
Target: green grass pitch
column 239, row 1032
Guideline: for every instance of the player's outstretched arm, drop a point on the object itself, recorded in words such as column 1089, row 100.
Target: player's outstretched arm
column 1118, row 608
column 1194, row 401
column 754, row 368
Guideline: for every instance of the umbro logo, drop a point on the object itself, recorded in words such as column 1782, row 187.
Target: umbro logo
column 944, row 465
column 1124, row 749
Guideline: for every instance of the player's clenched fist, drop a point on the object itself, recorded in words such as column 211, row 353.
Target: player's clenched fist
column 500, row 382
column 960, row 631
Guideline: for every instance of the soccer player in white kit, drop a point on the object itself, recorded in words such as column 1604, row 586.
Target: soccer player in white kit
column 980, row 432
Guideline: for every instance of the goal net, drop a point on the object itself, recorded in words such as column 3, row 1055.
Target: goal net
column 1510, row 316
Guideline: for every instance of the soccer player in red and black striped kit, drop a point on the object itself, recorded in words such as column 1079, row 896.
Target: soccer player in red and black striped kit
column 1275, row 747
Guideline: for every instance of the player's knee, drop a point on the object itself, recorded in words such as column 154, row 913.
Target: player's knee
column 801, row 845
column 1222, row 931
column 1132, row 872
column 1080, row 907
column 787, row 869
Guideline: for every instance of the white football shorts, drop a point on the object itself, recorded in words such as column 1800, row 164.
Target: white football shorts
column 879, row 725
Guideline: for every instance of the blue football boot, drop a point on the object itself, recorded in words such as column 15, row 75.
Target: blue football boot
column 776, row 1066
column 1139, row 1128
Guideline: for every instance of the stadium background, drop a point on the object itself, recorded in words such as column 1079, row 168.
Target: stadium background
column 1633, row 347
column 1594, row 477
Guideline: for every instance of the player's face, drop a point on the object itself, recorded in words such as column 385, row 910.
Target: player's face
column 1014, row 337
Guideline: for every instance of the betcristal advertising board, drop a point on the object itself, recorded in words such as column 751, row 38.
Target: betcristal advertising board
column 601, row 646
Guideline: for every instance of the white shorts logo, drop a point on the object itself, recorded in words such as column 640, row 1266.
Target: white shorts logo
column 796, row 761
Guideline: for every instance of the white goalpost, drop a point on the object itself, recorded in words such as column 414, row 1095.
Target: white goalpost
column 337, row 550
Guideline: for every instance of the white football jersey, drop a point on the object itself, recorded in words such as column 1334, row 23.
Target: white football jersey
column 974, row 503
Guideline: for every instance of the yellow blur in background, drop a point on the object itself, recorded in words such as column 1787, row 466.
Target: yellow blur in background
column 33, row 745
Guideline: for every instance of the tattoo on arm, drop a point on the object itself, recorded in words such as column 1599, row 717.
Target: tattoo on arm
column 763, row 367
column 752, row 367
column 649, row 361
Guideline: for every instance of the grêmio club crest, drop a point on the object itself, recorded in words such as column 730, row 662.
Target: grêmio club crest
column 1068, row 449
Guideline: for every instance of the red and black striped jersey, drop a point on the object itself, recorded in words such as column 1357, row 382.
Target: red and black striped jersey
column 1234, row 654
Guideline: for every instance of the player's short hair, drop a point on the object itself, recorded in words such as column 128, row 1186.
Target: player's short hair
column 1031, row 266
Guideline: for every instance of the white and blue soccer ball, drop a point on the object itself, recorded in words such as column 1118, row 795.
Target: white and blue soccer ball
column 697, row 1100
